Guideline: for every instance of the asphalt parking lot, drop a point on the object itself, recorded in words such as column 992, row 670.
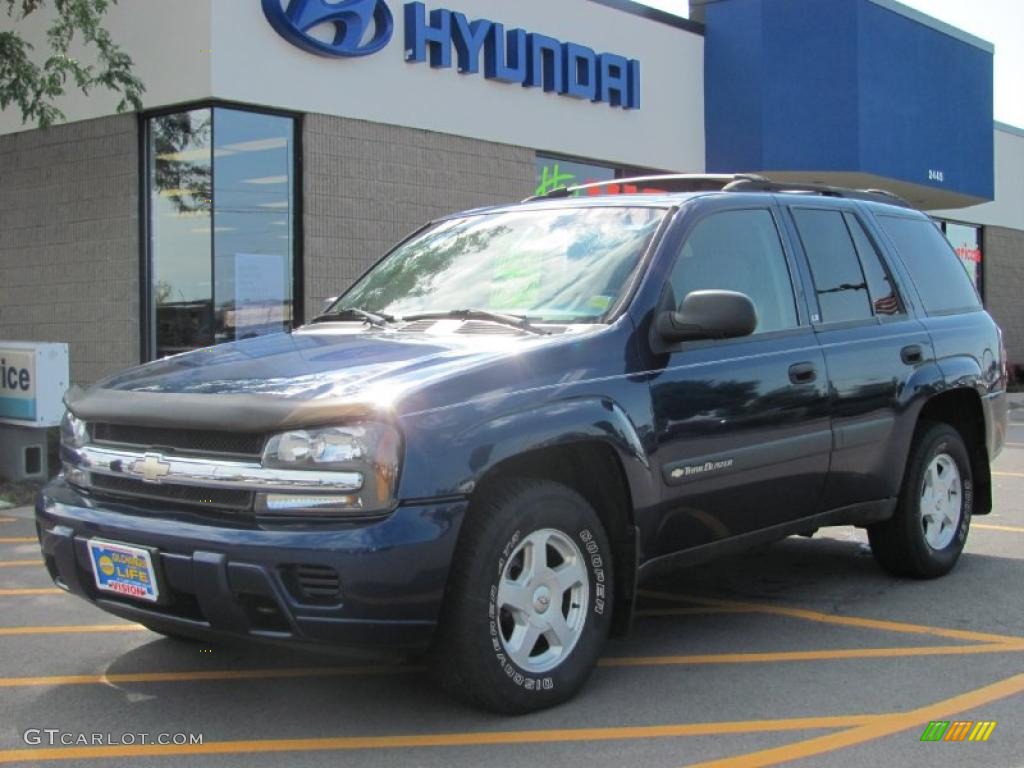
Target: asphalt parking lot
column 802, row 653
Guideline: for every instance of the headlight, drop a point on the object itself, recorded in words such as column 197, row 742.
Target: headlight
column 73, row 431
column 369, row 449
column 74, row 434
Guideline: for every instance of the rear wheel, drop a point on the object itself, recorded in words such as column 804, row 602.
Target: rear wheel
column 529, row 600
column 927, row 533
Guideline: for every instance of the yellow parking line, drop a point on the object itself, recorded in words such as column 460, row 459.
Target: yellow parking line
column 990, row 527
column 1014, row 445
column 838, row 654
column 72, row 629
column 288, row 673
column 19, row 540
column 18, row 563
column 1008, row 474
column 204, row 676
column 877, row 729
column 859, row 729
column 30, row 592
column 701, row 611
column 839, row 619
column 8, row 519
column 471, row 739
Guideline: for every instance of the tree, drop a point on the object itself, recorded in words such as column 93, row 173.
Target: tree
column 34, row 87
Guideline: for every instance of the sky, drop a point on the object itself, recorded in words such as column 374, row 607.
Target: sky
column 1000, row 22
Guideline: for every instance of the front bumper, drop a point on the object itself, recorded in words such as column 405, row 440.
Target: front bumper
column 233, row 581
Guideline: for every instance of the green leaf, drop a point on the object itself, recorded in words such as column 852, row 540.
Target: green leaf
column 34, row 89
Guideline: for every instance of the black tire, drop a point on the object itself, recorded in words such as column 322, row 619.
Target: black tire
column 900, row 544
column 471, row 654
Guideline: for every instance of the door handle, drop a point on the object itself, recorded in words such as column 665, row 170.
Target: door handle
column 803, row 373
column 912, row 355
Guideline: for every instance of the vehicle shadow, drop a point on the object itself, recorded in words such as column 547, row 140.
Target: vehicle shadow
column 247, row 691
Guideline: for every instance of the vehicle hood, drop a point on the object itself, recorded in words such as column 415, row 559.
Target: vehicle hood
column 309, row 375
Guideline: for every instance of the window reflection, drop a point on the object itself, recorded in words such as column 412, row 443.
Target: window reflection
column 253, row 189
column 221, row 187
column 180, row 195
column 555, row 266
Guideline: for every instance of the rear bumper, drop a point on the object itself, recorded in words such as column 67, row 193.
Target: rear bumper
column 223, row 581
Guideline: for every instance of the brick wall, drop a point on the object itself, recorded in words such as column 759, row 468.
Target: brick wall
column 369, row 185
column 69, row 230
column 69, row 241
column 1003, row 275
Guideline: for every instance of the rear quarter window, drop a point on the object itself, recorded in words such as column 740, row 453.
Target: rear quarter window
column 940, row 278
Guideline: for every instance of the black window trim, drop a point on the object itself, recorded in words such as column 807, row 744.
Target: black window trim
column 147, row 327
column 832, row 325
column 904, row 312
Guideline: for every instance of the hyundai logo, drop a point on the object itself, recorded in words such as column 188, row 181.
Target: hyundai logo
column 352, row 22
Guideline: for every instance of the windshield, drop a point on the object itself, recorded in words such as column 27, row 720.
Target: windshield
column 560, row 266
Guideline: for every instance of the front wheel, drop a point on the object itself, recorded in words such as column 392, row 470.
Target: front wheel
column 927, row 533
column 529, row 601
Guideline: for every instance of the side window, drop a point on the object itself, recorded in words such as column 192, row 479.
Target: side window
column 838, row 278
column 939, row 275
column 739, row 251
column 885, row 299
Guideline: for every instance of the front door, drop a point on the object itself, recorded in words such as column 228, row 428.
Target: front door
column 742, row 426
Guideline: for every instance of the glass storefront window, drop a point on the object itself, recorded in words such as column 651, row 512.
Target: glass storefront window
column 222, row 195
column 554, row 173
column 180, row 176
column 966, row 241
column 557, row 173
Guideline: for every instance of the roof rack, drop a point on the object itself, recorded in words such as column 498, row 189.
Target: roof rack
column 761, row 184
column 669, row 182
column 729, row 182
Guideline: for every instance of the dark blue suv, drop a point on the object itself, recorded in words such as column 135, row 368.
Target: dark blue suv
column 520, row 413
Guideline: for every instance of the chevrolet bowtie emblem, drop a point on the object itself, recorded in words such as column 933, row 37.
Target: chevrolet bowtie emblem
column 151, row 468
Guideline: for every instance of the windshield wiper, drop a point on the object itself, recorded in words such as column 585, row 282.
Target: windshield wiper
column 379, row 319
column 515, row 321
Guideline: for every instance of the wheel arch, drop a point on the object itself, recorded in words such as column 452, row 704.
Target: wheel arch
column 961, row 408
column 594, row 469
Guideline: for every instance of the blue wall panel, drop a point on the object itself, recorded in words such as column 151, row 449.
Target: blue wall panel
column 732, row 96
column 846, row 86
column 925, row 104
column 809, row 78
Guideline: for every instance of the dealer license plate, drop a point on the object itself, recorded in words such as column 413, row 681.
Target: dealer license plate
column 125, row 570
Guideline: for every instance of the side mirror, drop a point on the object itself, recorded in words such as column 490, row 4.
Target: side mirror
column 709, row 315
column 327, row 303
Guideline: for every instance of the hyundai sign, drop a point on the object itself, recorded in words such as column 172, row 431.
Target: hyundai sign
column 440, row 37
column 33, row 379
column 351, row 20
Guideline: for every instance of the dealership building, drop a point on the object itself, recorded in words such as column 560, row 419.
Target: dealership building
column 286, row 145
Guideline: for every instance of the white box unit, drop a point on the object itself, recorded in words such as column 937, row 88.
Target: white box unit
column 33, row 379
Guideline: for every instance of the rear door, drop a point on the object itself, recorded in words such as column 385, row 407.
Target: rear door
column 741, row 425
column 874, row 348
